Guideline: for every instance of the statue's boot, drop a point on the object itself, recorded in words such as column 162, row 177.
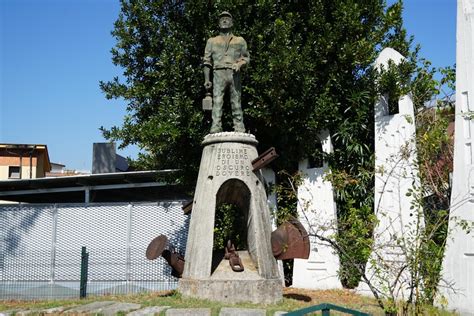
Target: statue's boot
column 239, row 128
column 216, row 129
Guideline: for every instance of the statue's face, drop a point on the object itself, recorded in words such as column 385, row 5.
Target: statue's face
column 225, row 22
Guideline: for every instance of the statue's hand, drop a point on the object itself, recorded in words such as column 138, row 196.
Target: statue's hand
column 208, row 85
column 236, row 67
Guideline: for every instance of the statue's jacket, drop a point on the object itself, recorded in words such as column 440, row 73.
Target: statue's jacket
column 223, row 51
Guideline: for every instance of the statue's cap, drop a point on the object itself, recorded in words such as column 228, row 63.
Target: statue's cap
column 225, row 13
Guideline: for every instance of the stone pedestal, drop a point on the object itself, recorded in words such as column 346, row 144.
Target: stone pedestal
column 226, row 176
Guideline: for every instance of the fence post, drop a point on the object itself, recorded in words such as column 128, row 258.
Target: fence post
column 128, row 262
column 52, row 273
column 84, row 273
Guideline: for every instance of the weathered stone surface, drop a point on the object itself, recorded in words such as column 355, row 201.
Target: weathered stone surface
column 54, row 310
column 148, row 311
column 229, row 311
column 28, row 312
column 90, row 307
column 116, row 308
column 188, row 312
column 233, row 291
column 24, row 312
column 9, row 312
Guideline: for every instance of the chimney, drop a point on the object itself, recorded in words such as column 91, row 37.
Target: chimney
column 103, row 158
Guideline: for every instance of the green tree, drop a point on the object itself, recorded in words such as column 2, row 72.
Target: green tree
column 311, row 68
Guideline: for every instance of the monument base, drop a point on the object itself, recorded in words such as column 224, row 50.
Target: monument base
column 227, row 286
column 264, row 291
column 226, row 175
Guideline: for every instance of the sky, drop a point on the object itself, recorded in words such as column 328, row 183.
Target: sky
column 53, row 53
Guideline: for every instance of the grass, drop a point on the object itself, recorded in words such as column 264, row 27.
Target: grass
column 292, row 299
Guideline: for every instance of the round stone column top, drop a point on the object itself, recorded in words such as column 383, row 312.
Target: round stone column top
column 230, row 137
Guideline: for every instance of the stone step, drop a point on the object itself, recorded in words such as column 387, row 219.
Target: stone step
column 113, row 309
column 110, row 308
column 106, row 308
column 230, row 311
column 188, row 312
column 148, row 311
column 88, row 308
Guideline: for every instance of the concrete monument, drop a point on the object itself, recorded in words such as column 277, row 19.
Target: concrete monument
column 458, row 264
column 396, row 172
column 317, row 211
column 226, row 176
column 225, row 54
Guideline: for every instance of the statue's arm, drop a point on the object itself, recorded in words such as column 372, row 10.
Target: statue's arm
column 244, row 57
column 207, row 78
column 207, row 64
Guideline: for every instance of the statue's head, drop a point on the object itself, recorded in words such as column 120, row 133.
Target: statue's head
column 225, row 20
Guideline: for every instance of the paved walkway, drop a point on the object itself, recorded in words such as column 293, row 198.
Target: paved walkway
column 110, row 308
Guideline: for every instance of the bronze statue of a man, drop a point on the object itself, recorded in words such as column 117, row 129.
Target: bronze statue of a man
column 226, row 54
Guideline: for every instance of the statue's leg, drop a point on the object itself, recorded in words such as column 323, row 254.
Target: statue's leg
column 237, row 115
column 217, row 100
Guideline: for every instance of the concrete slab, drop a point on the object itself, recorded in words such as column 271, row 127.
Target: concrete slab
column 116, row 308
column 28, row 312
column 188, row 312
column 231, row 291
column 90, row 307
column 10, row 312
column 54, row 310
column 148, row 311
column 230, row 311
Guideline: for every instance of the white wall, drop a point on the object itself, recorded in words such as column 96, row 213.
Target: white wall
column 395, row 173
column 458, row 264
column 317, row 212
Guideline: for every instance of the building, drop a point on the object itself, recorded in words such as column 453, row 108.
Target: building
column 23, row 161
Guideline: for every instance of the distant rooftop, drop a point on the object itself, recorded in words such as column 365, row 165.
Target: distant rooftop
column 104, row 187
column 25, row 150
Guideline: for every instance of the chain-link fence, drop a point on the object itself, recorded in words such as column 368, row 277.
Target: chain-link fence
column 40, row 248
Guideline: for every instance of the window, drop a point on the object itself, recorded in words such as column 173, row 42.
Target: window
column 14, row 172
column 316, row 160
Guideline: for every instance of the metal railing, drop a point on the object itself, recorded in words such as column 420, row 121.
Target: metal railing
column 325, row 310
column 89, row 273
